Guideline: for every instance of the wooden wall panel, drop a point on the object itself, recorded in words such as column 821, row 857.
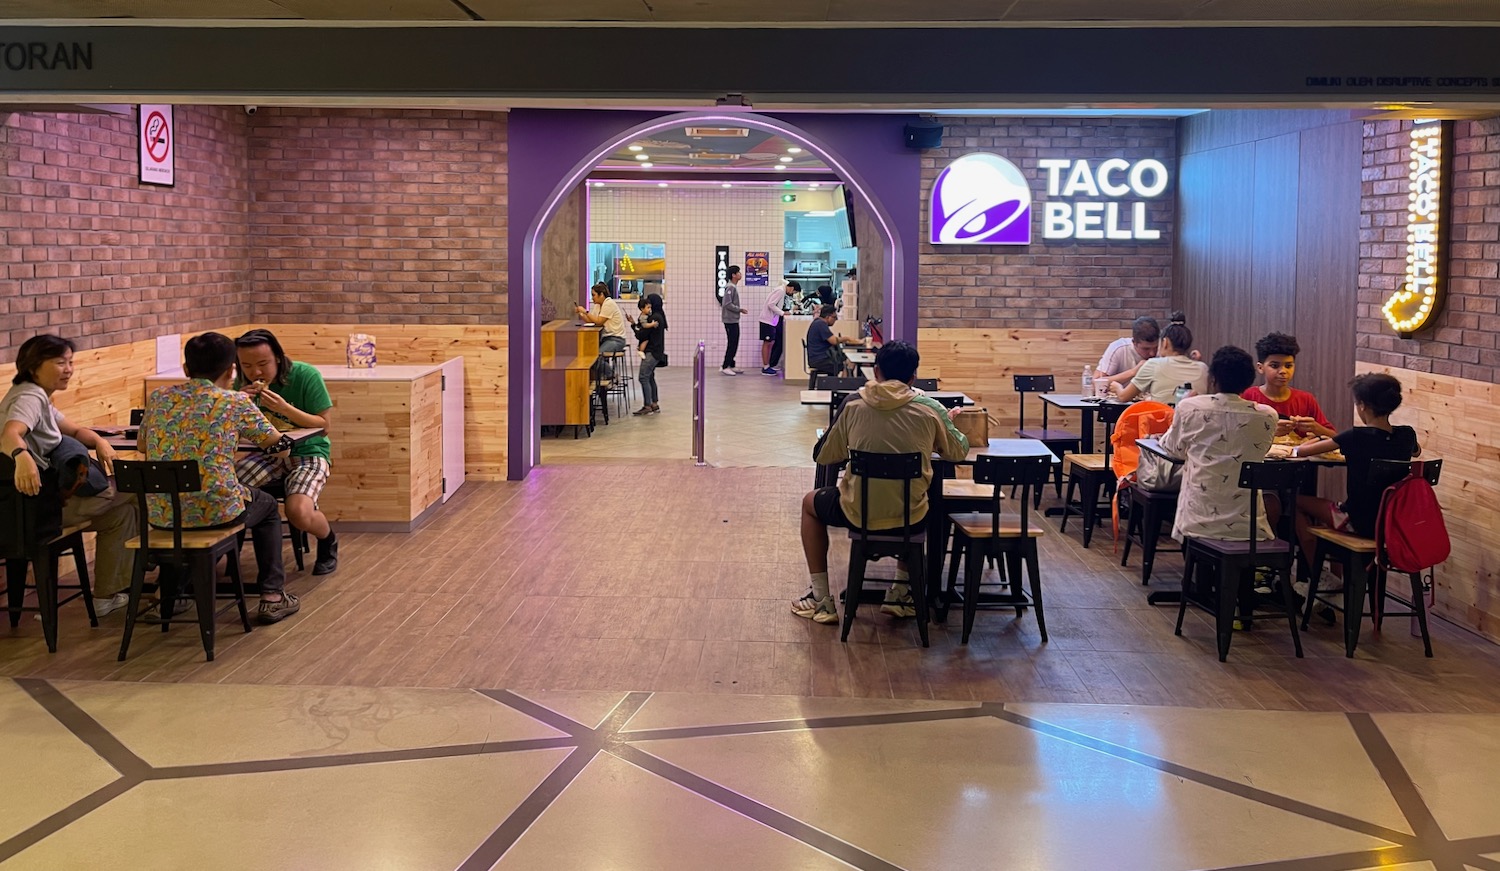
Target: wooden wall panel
column 562, row 247
column 484, row 349
column 373, row 443
column 980, row 362
column 1328, row 265
column 1458, row 420
column 1269, row 238
column 107, row 382
column 426, row 443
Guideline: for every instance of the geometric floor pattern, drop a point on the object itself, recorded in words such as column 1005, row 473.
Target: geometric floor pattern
column 261, row 777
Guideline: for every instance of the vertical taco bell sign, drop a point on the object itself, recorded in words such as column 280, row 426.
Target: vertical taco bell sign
column 983, row 199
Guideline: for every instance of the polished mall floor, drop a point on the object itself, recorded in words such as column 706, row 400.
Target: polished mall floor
column 190, row 777
column 597, row 669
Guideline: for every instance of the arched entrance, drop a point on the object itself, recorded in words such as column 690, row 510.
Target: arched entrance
column 871, row 161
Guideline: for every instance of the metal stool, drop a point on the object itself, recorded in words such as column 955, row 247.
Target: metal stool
column 621, row 383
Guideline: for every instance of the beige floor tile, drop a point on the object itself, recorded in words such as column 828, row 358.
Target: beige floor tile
column 958, row 777
column 46, row 768
column 583, row 706
column 188, row 724
column 394, row 815
column 1314, row 758
column 673, row 710
column 651, row 823
column 1443, row 753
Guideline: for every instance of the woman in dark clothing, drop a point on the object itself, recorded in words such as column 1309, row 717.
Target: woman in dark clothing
column 651, row 330
column 825, row 295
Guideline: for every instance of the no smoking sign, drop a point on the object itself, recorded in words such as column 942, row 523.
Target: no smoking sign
column 156, row 140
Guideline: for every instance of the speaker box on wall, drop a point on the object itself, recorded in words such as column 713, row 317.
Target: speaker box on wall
column 924, row 135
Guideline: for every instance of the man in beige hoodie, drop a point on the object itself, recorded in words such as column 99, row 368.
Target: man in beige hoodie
column 889, row 417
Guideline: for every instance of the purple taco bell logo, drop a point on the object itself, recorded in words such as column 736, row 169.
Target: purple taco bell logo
column 981, row 199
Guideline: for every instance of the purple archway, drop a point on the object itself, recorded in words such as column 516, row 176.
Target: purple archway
column 551, row 151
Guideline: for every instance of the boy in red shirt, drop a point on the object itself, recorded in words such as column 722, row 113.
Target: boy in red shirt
column 1298, row 410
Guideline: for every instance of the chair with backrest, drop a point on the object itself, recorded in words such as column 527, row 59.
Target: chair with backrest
column 924, row 383
column 1364, row 570
column 1092, row 474
column 905, row 544
column 1146, row 510
column 1232, row 562
column 32, row 534
column 1058, row 441
column 980, row 535
column 186, row 555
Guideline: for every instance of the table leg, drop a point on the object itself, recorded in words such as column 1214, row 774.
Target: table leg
column 1355, row 580
column 1088, row 430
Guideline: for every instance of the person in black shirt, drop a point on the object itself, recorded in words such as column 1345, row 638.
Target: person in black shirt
column 651, row 330
column 1376, row 396
column 821, row 342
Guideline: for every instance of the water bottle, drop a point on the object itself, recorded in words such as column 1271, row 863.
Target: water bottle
column 1087, row 383
column 1182, row 392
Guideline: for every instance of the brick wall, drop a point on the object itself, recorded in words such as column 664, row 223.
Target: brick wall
column 379, row 215
column 1464, row 339
column 1049, row 284
column 89, row 252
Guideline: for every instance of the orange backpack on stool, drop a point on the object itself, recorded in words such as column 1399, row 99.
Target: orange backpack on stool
column 1141, row 420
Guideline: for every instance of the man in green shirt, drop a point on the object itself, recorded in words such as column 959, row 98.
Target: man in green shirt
column 291, row 396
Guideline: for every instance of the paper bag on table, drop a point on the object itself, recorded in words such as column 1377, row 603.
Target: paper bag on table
column 360, row 352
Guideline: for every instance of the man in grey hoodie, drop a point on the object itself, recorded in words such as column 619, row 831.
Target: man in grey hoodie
column 731, row 312
column 887, row 417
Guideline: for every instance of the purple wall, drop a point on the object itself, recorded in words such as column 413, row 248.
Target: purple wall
column 546, row 147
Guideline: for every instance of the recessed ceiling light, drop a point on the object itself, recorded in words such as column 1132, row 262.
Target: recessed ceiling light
column 813, row 186
column 794, row 150
column 643, row 157
column 780, row 166
column 786, row 160
column 726, row 184
column 636, row 148
column 598, row 184
column 661, row 184
column 647, row 165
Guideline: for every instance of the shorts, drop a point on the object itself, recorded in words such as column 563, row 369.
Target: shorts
column 768, row 331
column 827, row 509
column 304, row 476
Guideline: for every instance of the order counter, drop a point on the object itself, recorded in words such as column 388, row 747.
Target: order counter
column 569, row 350
column 397, row 442
column 796, row 334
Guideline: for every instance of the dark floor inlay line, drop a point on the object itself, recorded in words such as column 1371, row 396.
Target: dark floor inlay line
column 1352, row 861
column 1235, row 788
column 65, row 817
column 259, row 766
column 749, row 807
column 527, row 812
column 84, row 727
column 1388, row 765
column 1484, row 863
column 801, row 724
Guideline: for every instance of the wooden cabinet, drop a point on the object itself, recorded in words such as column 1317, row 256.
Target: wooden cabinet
column 568, row 350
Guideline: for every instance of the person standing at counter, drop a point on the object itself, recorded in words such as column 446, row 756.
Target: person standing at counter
column 291, row 395
column 731, row 312
column 606, row 313
column 651, row 329
column 772, row 327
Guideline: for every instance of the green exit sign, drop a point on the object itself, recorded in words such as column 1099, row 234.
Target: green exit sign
column 788, row 198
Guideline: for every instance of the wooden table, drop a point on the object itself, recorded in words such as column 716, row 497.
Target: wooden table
column 126, row 438
column 824, row 397
column 568, row 352
column 860, row 357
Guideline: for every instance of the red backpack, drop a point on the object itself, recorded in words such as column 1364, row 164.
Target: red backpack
column 1411, row 533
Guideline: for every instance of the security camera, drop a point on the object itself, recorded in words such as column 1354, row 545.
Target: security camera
column 251, row 110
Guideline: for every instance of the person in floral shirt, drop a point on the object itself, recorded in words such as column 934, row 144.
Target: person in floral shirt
column 202, row 420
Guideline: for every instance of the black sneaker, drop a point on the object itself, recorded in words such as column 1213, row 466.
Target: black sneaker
column 328, row 555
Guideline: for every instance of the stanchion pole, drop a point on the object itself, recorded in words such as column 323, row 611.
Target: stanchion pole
column 700, row 387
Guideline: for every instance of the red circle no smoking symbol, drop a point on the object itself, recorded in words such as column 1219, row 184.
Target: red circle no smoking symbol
column 158, row 137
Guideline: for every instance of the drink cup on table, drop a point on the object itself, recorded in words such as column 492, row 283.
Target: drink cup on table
column 1101, row 388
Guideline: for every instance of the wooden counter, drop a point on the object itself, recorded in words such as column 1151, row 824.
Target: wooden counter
column 795, row 362
column 569, row 350
column 396, row 442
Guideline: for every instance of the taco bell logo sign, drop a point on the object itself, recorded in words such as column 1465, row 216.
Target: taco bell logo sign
column 981, row 199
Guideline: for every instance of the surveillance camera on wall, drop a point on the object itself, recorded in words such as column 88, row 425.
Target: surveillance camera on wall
column 251, row 110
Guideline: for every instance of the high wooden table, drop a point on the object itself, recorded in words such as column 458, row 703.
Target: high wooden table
column 396, row 439
column 569, row 350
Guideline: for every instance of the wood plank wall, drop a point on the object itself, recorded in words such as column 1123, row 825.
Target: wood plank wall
column 1268, row 238
column 107, row 382
column 980, row 362
column 484, row 349
column 1458, row 420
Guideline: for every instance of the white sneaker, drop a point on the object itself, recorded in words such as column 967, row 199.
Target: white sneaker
column 729, row 371
column 816, row 610
column 112, row 604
